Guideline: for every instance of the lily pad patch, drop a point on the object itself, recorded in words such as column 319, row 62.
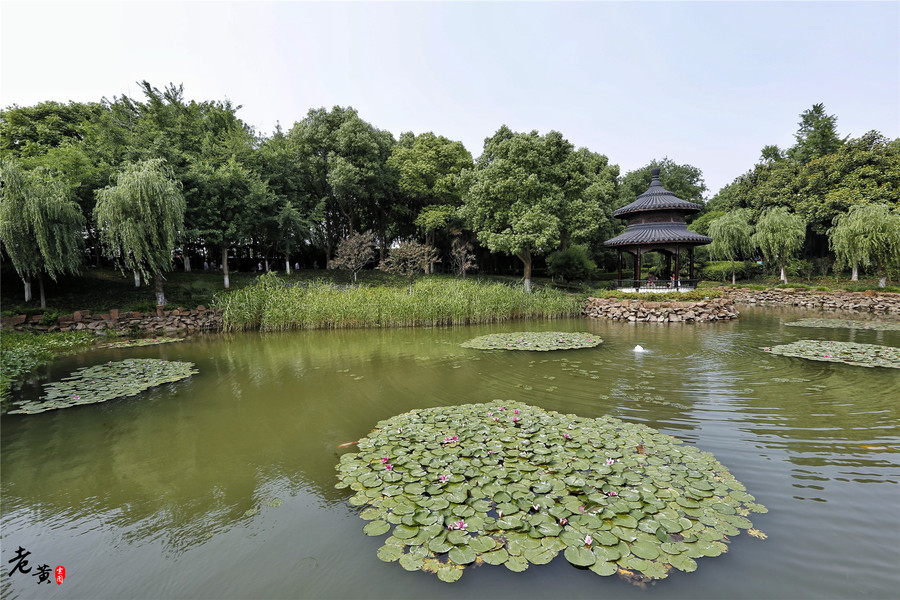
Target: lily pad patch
column 136, row 343
column 847, row 324
column 91, row 385
column 505, row 483
column 849, row 353
column 541, row 341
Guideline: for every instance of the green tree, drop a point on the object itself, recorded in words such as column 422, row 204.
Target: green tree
column 229, row 206
column 409, row 259
column 428, row 168
column 528, row 194
column 731, row 234
column 355, row 252
column 41, row 229
column 779, row 236
column 342, row 160
column 817, row 135
column 140, row 219
column 867, row 234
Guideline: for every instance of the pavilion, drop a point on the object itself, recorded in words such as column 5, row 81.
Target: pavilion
column 656, row 224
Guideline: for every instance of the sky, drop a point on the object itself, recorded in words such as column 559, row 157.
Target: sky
column 703, row 83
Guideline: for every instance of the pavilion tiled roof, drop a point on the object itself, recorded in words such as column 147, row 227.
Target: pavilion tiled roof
column 657, row 233
column 657, row 198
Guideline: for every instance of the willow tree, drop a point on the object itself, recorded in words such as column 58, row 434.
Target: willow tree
column 779, row 236
column 41, row 228
column 140, row 219
column 731, row 234
column 867, row 234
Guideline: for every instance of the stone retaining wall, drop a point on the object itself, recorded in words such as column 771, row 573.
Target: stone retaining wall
column 717, row 309
column 180, row 320
column 868, row 301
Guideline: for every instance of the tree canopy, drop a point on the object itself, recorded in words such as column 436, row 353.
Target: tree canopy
column 42, row 230
column 779, row 236
column 528, row 194
column 140, row 218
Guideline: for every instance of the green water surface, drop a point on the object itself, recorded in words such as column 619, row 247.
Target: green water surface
column 222, row 486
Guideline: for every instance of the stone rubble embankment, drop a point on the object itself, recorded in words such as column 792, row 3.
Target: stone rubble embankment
column 716, row 309
column 180, row 320
column 868, row 301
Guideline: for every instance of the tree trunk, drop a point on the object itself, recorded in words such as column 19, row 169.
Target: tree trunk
column 882, row 276
column 27, row 290
column 137, row 279
column 160, row 295
column 225, row 266
column 44, row 299
column 783, row 274
column 287, row 264
column 266, row 260
column 187, row 263
column 854, row 272
column 429, row 240
column 525, row 257
column 733, row 278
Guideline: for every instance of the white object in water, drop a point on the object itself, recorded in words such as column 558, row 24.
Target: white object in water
column 638, row 348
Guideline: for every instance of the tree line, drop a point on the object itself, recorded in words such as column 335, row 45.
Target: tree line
column 140, row 181
column 826, row 202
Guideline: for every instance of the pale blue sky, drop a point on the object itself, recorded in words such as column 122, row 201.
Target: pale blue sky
column 705, row 83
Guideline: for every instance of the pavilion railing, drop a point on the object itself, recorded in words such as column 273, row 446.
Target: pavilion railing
column 661, row 285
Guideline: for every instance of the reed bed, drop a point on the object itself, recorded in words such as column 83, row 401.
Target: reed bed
column 272, row 305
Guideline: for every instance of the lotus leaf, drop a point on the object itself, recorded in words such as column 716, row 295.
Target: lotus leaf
column 620, row 495
column 850, row 353
column 534, row 340
column 141, row 342
column 91, row 385
column 847, row 324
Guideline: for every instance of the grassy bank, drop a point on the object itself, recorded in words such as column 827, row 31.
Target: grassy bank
column 21, row 353
column 693, row 296
column 273, row 305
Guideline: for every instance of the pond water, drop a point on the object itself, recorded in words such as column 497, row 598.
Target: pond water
column 222, row 485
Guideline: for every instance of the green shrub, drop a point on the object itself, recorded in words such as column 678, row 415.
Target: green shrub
column 571, row 264
column 720, row 270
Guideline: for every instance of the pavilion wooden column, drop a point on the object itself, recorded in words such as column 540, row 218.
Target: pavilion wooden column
column 637, row 266
column 678, row 267
column 619, row 264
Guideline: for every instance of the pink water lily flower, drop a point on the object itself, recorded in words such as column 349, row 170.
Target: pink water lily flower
column 567, row 436
column 613, row 494
column 450, row 438
column 588, row 540
column 515, row 412
column 443, row 478
column 77, row 397
column 515, row 419
column 827, row 356
column 563, row 521
column 490, row 414
column 389, row 467
column 609, row 461
column 459, row 525
column 385, row 459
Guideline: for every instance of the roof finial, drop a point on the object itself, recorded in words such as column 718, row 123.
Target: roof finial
column 654, row 172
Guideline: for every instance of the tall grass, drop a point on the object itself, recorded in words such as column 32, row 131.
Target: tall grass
column 272, row 305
